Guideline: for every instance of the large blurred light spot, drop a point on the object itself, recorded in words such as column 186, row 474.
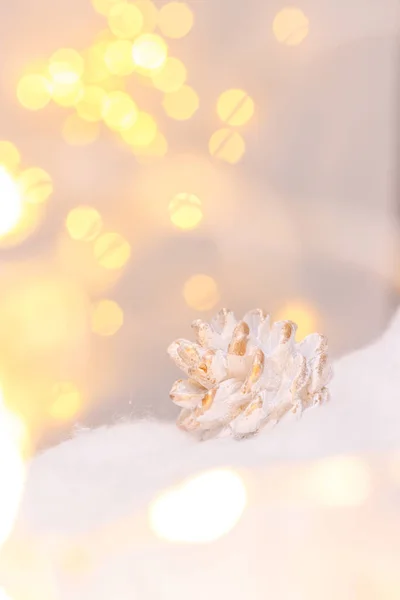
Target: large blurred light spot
column 125, row 20
column 67, row 94
column 157, row 149
column 201, row 292
column 78, row 132
column 112, row 251
column 182, row 104
column 118, row 57
column 227, row 145
column 107, row 318
column 10, row 203
column 10, row 158
column 34, row 91
column 150, row 14
column 171, row 76
column 185, row 211
column 142, row 132
column 149, row 51
column 300, row 313
column 201, row 510
column 90, row 105
column 67, row 401
column 119, row 111
column 84, row 223
column 96, row 70
column 66, row 66
column 4, row 595
column 35, row 185
column 340, row 481
column 175, row 19
column 290, row 26
column 104, row 6
column 235, row 107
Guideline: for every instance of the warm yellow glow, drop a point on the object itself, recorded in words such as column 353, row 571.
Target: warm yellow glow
column 10, row 203
column 149, row 51
column 119, row 111
column 95, row 67
column 4, row 595
column 67, row 94
column 112, row 251
column 182, row 104
column 157, row 149
column 125, row 20
column 104, row 6
column 35, row 185
column 66, row 66
column 185, row 211
column 227, row 145
column 142, row 132
column 78, row 132
column 10, row 158
column 339, row 481
column 90, row 105
column 171, row 76
column 201, row 292
column 304, row 316
column 107, row 318
column 67, row 401
column 175, row 19
column 84, row 223
column 118, row 57
column 201, row 510
column 291, row 26
column 150, row 14
column 34, row 91
column 235, row 107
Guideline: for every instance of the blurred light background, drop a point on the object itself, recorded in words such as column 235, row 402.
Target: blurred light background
column 159, row 160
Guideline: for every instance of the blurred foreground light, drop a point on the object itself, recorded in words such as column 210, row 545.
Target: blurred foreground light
column 112, row 251
column 142, row 132
column 4, row 595
column 84, row 223
column 66, row 66
column 34, row 91
column 171, row 76
column 304, row 316
column 78, row 132
column 107, row 318
column 185, row 211
column 201, row 292
column 90, row 105
column 35, row 185
column 125, row 20
column 119, row 111
column 182, row 104
column 227, row 145
column 67, row 401
column 201, row 510
column 290, row 26
column 235, row 107
column 67, row 94
column 95, row 67
column 10, row 203
column 118, row 57
column 10, row 158
column 175, row 19
column 157, row 149
column 104, row 6
column 149, row 51
column 150, row 14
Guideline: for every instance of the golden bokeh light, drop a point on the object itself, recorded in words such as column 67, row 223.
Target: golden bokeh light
column 150, row 15
column 171, row 76
column 66, row 66
column 119, row 111
column 182, row 104
column 339, row 482
column 84, row 223
column 35, row 185
column 34, row 91
column 10, row 203
column 157, row 149
column 185, row 211
column 175, row 19
column 78, row 132
column 67, row 401
column 112, row 251
column 201, row 292
column 104, row 6
column 142, row 132
column 125, row 20
column 96, row 70
column 118, row 57
column 90, row 105
column 227, row 145
column 107, row 318
column 67, row 94
column 291, row 26
column 149, row 51
column 235, row 107
column 201, row 510
column 10, row 157
column 305, row 317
